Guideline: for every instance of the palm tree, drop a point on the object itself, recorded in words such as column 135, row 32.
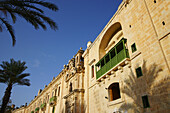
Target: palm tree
column 27, row 9
column 8, row 107
column 153, row 84
column 12, row 74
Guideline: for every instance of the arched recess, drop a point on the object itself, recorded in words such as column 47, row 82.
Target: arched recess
column 112, row 34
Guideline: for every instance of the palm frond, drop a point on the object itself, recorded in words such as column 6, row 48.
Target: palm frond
column 24, row 82
column 23, row 75
column 10, row 30
column 1, row 28
column 48, row 5
column 29, row 10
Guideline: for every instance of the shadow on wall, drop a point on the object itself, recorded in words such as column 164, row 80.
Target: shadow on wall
column 148, row 92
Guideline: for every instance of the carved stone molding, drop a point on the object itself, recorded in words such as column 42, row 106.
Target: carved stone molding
column 126, row 1
column 128, row 63
column 120, row 68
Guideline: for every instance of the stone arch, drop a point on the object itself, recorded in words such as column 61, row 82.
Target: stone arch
column 115, row 31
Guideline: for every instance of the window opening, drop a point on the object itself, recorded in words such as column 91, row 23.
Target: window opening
column 114, row 91
column 47, row 98
column 145, row 101
column 52, row 94
column 154, row 1
column 133, row 47
column 71, row 88
column 92, row 68
column 163, row 23
column 77, row 58
column 55, row 92
column 59, row 91
column 139, row 72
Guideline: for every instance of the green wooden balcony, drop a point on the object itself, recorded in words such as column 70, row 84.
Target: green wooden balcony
column 36, row 109
column 53, row 101
column 43, row 106
column 117, row 54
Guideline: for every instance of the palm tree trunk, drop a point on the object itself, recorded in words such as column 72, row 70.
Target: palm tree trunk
column 6, row 98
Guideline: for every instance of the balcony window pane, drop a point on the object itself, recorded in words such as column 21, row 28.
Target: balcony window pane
column 107, row 58
column 102, row 63
column 119, row 47
column 112, row 53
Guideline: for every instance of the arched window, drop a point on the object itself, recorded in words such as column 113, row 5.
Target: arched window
column 114, row 91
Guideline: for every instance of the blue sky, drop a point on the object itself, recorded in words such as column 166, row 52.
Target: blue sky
column 45, row 52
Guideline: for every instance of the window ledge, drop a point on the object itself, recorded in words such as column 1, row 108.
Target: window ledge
column 117, row 101
column 135, row 54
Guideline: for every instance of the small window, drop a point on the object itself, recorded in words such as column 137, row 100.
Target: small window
column 58, row 91
column 145, row 101
column 163, row 23
column 154, row 1
column 55, row 92
column 47, row 98
column 133, row 47
column 77, row 58
column 52, row 94
column 92, row 71
column 70, row 88
column 114, row 91
column 139, row 72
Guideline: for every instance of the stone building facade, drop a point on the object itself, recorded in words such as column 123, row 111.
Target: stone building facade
column 126, row 68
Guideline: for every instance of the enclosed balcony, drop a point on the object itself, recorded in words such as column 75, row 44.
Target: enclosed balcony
column 53, row 101
column 115, row 56
column 37, row 110
column 43, row 107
